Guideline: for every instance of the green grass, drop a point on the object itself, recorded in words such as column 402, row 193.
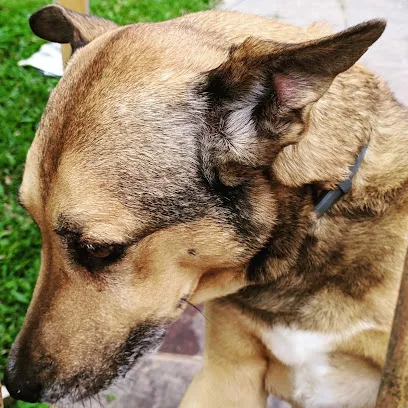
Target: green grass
column 23, row 95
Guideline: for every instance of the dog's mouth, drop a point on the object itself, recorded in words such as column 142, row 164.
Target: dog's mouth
column 141, row 340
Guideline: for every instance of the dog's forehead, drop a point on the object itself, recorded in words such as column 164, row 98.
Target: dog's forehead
column 120, row 128
column 125, row 98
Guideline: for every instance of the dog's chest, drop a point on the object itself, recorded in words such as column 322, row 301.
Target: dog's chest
column 295, row 347
column 317, row 376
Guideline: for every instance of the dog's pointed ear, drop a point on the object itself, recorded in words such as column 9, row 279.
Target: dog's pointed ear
column 260, row 94
column 298, row 73
column 58, row 24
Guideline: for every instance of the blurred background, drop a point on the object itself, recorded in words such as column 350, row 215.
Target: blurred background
column 162, row 379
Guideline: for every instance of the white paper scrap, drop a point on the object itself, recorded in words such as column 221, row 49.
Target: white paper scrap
column 48, row 60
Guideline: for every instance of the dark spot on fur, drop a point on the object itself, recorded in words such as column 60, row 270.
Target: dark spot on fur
column 182, row 301
column 192, row 252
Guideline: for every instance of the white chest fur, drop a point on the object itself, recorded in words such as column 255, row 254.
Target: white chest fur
column 320, row 378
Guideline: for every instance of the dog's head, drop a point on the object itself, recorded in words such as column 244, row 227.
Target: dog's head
column 150, row 179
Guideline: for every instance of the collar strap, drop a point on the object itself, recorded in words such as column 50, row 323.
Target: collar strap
column 342, row 188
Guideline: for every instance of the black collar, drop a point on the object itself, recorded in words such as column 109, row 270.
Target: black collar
column 342, row 188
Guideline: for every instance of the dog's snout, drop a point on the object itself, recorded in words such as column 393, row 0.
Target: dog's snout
column 20, row 378
column 21, row 385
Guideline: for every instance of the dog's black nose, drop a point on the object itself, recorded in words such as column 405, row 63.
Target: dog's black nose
column 21, row 386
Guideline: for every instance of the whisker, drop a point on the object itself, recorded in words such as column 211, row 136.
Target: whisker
column 94, row 398
column 198, row 310
column 100, row 401
column 121, row 387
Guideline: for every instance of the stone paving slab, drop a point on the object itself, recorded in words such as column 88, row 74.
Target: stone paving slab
column 186, row 335
column 388, row 57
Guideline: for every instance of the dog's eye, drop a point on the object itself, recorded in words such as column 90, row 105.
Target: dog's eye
column 95, row 257
column 100, row 251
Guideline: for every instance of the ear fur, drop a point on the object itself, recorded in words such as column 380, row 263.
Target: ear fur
column 299, row 73
column 58, row 24
column 261, row 95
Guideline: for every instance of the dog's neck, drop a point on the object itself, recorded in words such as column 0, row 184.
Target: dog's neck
column 304, row 252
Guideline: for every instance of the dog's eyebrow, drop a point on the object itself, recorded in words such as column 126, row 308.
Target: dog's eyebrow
column 65, row 226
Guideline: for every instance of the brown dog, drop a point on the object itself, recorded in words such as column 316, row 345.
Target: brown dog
column 183, row 160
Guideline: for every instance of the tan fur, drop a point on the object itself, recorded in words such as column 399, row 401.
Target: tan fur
column 122, row 158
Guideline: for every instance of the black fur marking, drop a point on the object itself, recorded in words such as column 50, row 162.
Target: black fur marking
column 267, row 108
column 317, row 266
column 235, row 206
column 285, row 238
column 182, row 206
column 141, row 340
column 234, row 200
column 217, row 88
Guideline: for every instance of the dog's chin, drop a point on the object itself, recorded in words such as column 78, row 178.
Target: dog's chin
column 141, row 341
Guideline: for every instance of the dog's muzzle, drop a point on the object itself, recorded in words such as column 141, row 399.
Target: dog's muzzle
column 39, row 378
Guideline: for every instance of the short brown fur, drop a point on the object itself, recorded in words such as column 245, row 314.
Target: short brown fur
column 199, row 171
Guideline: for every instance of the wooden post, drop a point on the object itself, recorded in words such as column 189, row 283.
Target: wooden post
column 81, row 6
column 394, row 384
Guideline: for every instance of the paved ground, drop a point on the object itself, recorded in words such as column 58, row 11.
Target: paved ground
column 160, row 381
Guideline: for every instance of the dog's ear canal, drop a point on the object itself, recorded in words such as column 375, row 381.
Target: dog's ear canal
column 58, row 24
column 259, row 94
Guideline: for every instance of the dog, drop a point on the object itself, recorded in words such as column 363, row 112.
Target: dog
column 187, row 161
